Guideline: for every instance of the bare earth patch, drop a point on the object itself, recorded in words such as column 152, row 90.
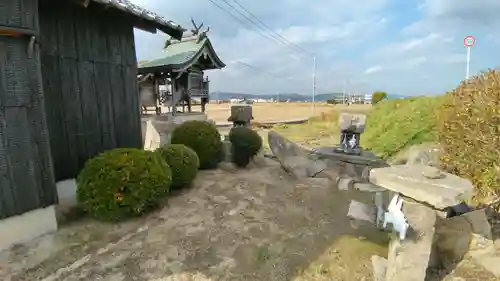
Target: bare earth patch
column 254, row 224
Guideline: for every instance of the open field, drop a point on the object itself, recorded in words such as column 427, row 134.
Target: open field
column 267, row 112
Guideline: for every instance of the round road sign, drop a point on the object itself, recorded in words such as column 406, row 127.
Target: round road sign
column 469, row 41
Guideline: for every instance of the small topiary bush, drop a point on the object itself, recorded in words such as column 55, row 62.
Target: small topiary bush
column 246, row 143
column 204, row 138
column 122, row 183
column 183, row 162
column 469, row 131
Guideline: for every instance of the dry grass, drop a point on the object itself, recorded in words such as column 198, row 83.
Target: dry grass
column 266, row 112
column 469, row 126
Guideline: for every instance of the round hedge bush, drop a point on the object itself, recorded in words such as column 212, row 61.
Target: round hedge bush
column 245, row 144
column 183, row 162
column 202, row 137
column 122, row 183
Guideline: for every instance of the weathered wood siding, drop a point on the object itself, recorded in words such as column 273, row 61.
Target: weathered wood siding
column 26, row 177
column 89, row 73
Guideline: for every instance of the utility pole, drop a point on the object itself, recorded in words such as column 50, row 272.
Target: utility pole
column 313, row 86
column 343, row 92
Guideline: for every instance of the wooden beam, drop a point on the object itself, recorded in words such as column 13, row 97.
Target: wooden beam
column 14, row 31
column 145, row 26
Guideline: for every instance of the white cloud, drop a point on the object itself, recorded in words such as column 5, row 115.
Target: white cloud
column 373, row 69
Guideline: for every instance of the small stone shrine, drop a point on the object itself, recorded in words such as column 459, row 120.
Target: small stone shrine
column 351, row 128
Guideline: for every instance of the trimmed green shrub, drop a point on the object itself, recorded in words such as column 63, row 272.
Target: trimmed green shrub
column 122, row 183
column 245, row 143
column 183, row 162
column 204, row 138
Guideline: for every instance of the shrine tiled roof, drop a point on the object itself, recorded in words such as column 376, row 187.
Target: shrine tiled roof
column 181, row 54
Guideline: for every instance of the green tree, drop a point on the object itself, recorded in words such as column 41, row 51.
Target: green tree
column 378, row 96
column 331, row 101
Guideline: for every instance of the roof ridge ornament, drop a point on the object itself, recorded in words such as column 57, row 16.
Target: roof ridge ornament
column 196, row 33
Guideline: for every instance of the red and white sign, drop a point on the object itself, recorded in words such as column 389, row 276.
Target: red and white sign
column 469, row 41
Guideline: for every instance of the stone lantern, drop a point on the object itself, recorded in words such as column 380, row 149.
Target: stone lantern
column 241, row 115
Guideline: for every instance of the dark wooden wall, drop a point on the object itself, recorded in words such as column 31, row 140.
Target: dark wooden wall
column 89, row 71
column 26, row 177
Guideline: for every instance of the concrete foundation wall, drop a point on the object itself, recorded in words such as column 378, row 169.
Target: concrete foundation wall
column 25, row 227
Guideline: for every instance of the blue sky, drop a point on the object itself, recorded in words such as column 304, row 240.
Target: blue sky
column 409, row 47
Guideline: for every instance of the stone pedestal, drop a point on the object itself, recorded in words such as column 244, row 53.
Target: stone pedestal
column 428, row 194
column 409, row 259
column 156, row 130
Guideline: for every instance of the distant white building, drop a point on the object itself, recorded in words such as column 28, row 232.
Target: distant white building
column 236, row 100
column 368, row 99
column 261, row 100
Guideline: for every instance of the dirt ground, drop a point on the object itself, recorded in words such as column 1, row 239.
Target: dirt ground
column 265, row 112
column 253, row 224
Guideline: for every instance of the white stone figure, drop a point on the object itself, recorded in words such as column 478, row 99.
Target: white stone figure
column 352, row 142
column 395, row 216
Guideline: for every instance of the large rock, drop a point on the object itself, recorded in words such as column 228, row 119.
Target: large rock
column 296, row 160
column 467, row 235
column 425, row 154
column 424, row 184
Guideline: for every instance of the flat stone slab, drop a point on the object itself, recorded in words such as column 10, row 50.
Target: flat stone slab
column 365, row 158
column 424, row 184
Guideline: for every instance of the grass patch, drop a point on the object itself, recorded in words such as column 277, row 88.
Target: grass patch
column 395, row 125
column 348, row 258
